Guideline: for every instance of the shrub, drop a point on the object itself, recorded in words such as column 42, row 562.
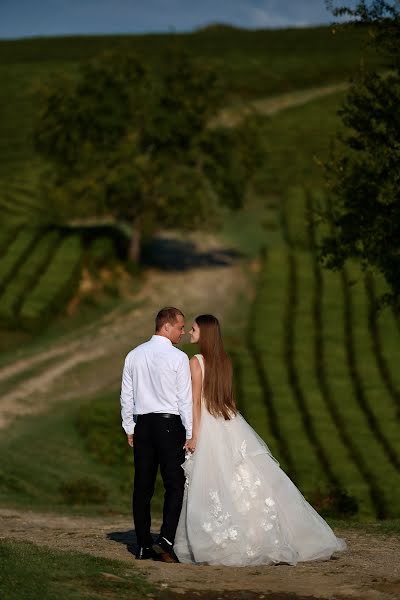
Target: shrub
column 99, row 423
column 9, row 482
column 101, row 252
column 83, row 491
column 335, row 502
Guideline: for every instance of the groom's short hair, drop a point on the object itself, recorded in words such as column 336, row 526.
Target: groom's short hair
column 168, row 314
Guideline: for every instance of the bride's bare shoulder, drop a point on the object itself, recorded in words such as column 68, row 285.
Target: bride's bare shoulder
column 195, row 364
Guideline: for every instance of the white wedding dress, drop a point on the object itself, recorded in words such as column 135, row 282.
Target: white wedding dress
column 240, row 508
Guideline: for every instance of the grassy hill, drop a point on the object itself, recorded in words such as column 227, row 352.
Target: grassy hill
column 315, row 365
column 253, row 63
column 40, row 263
column 318, row 375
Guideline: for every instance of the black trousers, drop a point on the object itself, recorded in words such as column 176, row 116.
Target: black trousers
column 158, row 442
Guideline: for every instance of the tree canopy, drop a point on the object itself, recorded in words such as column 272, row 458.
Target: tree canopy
column 134, row 143
column 364, row 175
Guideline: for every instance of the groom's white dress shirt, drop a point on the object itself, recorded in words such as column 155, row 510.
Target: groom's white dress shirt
column 156, row 379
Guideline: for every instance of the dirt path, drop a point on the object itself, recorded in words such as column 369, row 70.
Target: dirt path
column 369, row 570
column 232, row 116
column 101, row 348
column 193, row 289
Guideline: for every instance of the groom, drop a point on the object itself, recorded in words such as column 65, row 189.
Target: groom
column 156, row 410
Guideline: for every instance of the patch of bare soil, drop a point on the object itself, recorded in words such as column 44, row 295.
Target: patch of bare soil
column 368, row 570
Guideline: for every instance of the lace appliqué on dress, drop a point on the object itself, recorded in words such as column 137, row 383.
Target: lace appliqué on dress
column 246, row 488
column 187, row 468
column 218, row 526
column 270, row 521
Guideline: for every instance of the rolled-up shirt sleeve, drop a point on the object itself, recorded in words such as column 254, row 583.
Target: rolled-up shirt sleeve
column 184, row 394
column 127, row 399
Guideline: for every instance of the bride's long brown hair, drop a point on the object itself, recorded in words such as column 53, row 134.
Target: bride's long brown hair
column 218, row 386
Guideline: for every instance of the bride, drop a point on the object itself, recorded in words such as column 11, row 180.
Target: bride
column 239, row 507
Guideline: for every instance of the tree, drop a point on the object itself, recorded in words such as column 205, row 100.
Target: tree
column 129, row 142
column 364, row 176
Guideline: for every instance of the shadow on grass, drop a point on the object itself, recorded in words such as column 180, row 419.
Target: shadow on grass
column 172, row 254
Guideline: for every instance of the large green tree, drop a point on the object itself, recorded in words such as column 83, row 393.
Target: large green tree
column 364, row 173
column 134, row 143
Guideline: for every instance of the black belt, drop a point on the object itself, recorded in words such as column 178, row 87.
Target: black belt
column 164, row 415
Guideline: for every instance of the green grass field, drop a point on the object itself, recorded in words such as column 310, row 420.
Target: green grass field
column 307, row 378
column 315, row 367
column 254, row 64
column 68, row 575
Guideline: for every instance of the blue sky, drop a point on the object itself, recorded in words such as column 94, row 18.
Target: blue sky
column 22, row 18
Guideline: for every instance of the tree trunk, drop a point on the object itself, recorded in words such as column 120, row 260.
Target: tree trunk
column 134, row 245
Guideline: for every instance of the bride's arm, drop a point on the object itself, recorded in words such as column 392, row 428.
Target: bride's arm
column 195, row 371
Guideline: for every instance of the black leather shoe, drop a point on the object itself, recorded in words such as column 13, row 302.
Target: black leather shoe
column 164, row 550
column 145, row 553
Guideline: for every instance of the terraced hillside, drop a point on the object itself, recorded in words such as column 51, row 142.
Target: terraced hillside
column 39, row 267
column 320, row 380
column 40, row 262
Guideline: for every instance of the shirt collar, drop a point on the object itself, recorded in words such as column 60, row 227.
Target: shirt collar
column 161, row 338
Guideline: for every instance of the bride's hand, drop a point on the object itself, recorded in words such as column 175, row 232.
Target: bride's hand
column 190, row 445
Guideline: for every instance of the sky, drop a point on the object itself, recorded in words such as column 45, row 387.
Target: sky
column 26, row 18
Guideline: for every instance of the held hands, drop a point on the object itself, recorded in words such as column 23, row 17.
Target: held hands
column 190, row 445
column 130, row 439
